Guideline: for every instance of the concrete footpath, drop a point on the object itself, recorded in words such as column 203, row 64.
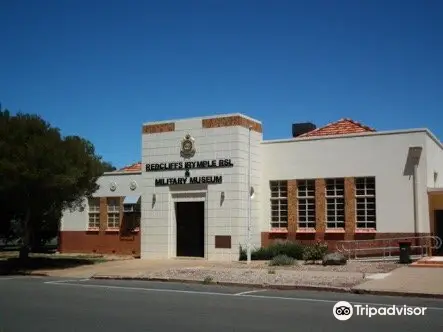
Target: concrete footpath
column 412, row 281
column 402, row 281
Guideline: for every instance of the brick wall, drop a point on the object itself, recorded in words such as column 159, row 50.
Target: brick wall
column 230, row 121
column 158, row 128
column 350, row 205
column 320, row 209
column 333, row 239
column 292, row 206
column 321, row 234
column 100, row 243
column 103, row 241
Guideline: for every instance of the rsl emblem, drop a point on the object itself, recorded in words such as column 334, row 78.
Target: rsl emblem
column 187, row 147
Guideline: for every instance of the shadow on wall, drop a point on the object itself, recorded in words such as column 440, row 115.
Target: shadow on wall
column 412, row 159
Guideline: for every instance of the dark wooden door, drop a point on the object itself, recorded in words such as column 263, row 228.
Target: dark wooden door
column 190, row 228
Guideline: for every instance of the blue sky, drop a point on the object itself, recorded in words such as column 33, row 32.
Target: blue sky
column 100, row 69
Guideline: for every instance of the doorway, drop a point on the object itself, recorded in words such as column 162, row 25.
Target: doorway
column 438, row 229
column 190, row 218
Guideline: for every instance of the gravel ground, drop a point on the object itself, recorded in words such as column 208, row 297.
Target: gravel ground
column 260, row 273
column 351, row 266
column 263, row 276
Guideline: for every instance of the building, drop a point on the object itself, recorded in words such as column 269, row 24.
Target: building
column 190, row 194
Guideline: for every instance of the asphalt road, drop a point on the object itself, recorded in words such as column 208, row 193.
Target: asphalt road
column 41, row 304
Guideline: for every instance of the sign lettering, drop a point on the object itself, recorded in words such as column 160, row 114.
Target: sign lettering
column 189, row 180
column 187, row 165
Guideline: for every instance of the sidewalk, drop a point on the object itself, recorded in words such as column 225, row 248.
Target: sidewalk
column 412, row 281
column 129, row 268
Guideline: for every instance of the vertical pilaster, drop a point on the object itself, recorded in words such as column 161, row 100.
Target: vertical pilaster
column 292, row 207
column 320, row 209
column 350, row 207
column 121, row 212
column 103, row 214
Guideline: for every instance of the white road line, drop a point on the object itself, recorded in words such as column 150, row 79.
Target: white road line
column 9, row 278
column 67, row 283
column 64, row 281
column 250, row 292
column 299, row 299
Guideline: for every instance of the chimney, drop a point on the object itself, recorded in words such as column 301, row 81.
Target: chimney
column 302, row 128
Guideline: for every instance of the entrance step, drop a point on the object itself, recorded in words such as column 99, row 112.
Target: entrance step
column 190, row 258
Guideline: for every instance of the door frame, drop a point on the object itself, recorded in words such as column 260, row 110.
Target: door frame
column 199, row 227
column 182, row 197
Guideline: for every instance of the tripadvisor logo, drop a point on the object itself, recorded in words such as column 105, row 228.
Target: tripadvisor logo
column 343, row 310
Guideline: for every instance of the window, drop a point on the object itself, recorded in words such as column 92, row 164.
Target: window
column 335, row 203
column 113, row 213
column 94, row 212
column 365, row 202
column 279, row 204
column 306, row 203
column 131, row 216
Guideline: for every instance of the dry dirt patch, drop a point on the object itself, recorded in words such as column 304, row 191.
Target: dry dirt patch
column 260, row 273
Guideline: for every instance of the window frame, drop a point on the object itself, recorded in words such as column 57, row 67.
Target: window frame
column 279, row 221
column 113, row 211
column 305, row 199
column 366, row 196
column 336, row 197
column 94, row 213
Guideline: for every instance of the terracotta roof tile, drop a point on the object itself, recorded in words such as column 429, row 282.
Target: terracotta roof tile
column 137, row 167
column 340, row 127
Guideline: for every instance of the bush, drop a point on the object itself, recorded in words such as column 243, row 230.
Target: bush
column 243, row 255
column 290, row 249
column 208, row 280
column 315, row 252
column 281, row 260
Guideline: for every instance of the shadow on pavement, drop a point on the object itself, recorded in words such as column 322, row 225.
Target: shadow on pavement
column 16, row 266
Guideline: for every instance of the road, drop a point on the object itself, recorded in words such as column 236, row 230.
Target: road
column 47, row 304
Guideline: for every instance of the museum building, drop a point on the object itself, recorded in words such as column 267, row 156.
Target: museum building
column 207, row 185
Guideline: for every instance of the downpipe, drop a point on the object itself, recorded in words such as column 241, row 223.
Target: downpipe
column 418, row 240
column 415, row 197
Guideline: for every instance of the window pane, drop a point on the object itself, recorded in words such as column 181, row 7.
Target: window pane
column 365, row 203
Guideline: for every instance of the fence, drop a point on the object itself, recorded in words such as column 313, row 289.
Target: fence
column 388, row 248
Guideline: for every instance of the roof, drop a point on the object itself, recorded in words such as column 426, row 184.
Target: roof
column 340, row 127
column 137, row 167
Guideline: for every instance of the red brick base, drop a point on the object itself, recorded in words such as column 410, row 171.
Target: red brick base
column 99, row 243
column 332, row 239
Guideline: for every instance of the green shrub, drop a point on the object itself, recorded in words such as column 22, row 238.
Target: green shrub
column 243, row 254
column 315, row 252
column 261, row 254
column 281, row 260
column 208, row 280
column 290, row 249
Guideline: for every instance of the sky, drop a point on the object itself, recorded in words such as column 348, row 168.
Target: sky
column 100, row 69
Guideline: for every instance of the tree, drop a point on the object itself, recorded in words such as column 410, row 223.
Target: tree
column 108, row 167
column 42, row 174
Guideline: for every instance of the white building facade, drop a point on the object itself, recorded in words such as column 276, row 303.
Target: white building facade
column 205, row 184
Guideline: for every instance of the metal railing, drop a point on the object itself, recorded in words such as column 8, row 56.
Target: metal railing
column 388, row 248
